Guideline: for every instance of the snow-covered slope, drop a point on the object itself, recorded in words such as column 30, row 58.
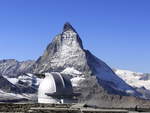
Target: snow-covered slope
column 20, row 88
column 10, row 92
column 16, row 97
column 140, row 81
column 135, row 79
column 27, row 83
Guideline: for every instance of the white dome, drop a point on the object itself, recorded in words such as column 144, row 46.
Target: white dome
column 53, row 84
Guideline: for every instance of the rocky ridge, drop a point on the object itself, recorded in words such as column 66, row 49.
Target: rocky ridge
column 14, row 68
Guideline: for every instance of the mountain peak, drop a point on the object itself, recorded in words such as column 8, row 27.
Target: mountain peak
column 68, row 26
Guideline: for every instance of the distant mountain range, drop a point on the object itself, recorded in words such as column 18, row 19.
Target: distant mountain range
column 94, row 79
column 139, row 81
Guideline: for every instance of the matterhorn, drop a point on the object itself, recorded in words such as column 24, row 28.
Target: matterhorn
column 66, row 54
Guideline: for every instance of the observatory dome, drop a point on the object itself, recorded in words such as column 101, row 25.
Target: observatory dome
column 53, row 88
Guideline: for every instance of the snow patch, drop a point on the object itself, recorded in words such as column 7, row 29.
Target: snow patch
column 76, row 76
column 76, row 81
column 11, row 80
column 71, row 71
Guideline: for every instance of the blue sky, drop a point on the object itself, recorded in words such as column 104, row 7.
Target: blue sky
column 116, row 31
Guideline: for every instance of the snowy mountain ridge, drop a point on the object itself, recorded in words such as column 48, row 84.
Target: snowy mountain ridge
column 135, row 79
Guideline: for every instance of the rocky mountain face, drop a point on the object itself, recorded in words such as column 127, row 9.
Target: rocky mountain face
column 66, row 50
column 13, row 68
column 94, row 94
column 90, row 76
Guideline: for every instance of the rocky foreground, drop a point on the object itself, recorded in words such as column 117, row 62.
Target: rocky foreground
column 65, row 108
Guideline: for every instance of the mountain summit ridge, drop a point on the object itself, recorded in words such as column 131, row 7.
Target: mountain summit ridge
column 68, row 26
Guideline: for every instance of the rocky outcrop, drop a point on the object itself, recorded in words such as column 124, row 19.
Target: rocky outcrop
column 93, row 93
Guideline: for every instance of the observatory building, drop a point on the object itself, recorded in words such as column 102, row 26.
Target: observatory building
column 55, row 88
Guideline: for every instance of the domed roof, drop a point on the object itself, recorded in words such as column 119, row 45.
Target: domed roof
column 54, row 84
column 62, row 83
